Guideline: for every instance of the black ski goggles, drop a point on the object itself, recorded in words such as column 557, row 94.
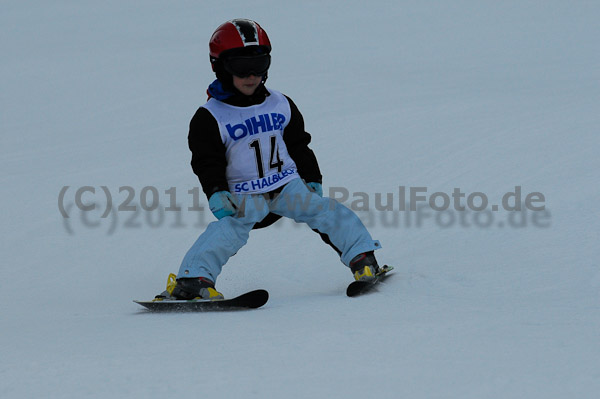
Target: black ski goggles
column 245, row 65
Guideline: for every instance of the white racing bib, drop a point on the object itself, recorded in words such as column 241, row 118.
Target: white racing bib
column 257, row 158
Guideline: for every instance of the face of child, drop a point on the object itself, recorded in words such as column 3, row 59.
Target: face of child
column 247, row 85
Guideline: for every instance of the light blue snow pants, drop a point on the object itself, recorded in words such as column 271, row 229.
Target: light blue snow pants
column 223, row 238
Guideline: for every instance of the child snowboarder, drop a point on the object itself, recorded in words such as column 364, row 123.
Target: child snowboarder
column 250, row 152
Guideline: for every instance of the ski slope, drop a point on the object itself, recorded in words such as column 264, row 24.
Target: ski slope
column 483, row 96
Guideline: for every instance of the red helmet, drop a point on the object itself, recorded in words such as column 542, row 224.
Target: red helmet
column 237, row 33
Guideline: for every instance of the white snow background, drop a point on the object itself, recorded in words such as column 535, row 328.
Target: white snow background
column 477, row 95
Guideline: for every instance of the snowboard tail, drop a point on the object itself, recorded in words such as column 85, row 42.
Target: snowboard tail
column 250, row 300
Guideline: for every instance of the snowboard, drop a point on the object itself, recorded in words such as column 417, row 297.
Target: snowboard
column 362, row 287
column 249, row 300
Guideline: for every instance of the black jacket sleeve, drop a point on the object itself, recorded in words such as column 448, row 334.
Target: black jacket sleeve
column 296, row 141
column 208, row 152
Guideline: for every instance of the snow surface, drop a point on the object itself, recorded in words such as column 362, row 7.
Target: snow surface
column 477, row 95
